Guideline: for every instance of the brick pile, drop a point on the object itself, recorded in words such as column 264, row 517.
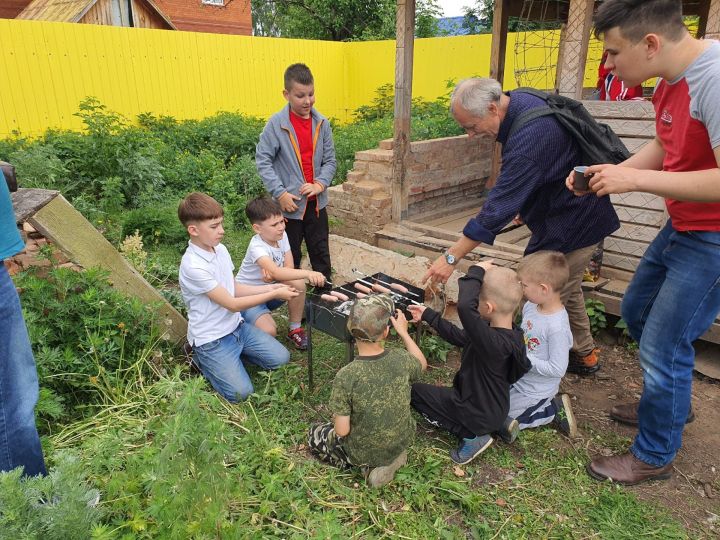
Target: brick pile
column 30, row 256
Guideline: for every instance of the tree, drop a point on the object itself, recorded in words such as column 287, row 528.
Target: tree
column 338, row 20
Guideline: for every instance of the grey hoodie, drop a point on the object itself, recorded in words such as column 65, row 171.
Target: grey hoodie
column 277, row 158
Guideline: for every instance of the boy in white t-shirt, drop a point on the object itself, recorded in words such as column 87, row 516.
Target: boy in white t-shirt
column 534, row 399
column 269, row 260
column 219, row 336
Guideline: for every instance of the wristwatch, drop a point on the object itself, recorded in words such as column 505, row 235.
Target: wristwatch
column 450, row 258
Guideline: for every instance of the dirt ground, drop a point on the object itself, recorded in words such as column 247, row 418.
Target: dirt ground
column 692, row 495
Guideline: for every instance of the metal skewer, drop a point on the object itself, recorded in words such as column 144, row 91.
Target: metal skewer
column 384, row 283
column 393, row 291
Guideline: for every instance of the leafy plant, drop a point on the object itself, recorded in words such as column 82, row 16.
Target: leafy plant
column 434, row 347
column 156, row 226
column 596, row 313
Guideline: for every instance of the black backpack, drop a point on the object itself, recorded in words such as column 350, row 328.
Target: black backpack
column 597, row 142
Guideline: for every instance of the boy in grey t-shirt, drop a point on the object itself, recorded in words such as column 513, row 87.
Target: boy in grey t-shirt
column 548, row 340
column 269, row 259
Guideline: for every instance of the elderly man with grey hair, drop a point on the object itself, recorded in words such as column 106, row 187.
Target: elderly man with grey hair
column 531, row 183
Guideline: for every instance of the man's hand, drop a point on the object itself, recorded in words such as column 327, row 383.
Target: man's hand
column 316, row 279
column 440, row 271
column 570, row 184
column 399, row 323
column 285, row 293
column 417, row 312
column 609, row 179
column 487, row 265
column 309, row 190
column 287, row 202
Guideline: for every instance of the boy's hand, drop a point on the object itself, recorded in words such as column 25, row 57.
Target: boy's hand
column 417, row 312
column 399, row 322
column 316, row 279
column 311, row 189
column 487, row 265
column 287, row 202
column 285, row 293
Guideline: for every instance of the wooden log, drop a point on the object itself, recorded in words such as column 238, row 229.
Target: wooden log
column 27, row 202
column 59, row 222
column 620, row 109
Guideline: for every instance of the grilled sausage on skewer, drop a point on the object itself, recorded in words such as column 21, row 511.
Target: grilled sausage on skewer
column 399, row 288
column 381, row 289
column 340, row 295
column 328, row 298
column 363, row 288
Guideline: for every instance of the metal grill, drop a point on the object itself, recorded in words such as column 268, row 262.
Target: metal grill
column 331, row 317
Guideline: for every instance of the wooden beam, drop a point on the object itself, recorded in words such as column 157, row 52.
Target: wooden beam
column 501, row 14
column 574, row 48
column 60, row 223
column 404, row 44
column 712, row 22
column 27, row 202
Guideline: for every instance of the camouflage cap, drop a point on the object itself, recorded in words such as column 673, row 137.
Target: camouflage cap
column 369, row 316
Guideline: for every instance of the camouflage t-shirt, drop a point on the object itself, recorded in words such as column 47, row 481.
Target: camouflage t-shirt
column 374, row 391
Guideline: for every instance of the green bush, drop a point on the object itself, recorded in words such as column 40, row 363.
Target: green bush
column 596, row 313
column 84, row 333
column 157, row 226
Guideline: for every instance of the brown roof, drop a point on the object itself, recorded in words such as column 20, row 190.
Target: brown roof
column 70, row 10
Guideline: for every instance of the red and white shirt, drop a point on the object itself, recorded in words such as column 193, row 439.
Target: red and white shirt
column 687, row 121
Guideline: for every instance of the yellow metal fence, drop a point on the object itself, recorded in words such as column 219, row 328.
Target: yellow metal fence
column 48, row 68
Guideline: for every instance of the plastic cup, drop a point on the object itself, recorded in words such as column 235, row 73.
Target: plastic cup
column 580, row 181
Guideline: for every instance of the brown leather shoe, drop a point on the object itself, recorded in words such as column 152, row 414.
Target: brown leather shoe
column 626, row 469
column 627, row 413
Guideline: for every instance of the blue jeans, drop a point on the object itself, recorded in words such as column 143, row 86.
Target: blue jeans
column 672, row 300
column 19, row 440
column 221, row 363
column 253, row 314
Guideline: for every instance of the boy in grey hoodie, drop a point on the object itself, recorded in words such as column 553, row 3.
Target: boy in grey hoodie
column 295, row 158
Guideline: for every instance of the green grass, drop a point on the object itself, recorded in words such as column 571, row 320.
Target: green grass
column 173, row 460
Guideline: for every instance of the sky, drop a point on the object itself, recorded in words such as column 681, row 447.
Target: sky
column 454, row 8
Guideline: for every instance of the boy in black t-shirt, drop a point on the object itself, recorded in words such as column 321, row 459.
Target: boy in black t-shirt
column 493, row 358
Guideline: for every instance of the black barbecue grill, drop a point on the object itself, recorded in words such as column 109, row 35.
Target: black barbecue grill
column 331, row 317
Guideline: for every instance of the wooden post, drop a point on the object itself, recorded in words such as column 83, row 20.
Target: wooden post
column 574, row 48
column 404, row 43
column 712, row 21
column 501, row 14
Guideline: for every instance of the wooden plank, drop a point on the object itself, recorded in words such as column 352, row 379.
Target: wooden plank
column 59, row 222
column 616, row 274
column 640, row 216
column 638, row 200
column 624, row 127
column 622, row 246
column 436, row 217
column 639, row 233
column 27, row 201
column 515, row 235
column 620, row 109
column 634, row 145
column 450, row 236
column 404, row 46
column 621, row 262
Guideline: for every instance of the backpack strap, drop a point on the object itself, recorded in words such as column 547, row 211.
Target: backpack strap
column 528, row 116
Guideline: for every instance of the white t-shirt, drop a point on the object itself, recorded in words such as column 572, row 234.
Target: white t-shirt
column 250, row 272
column 200, row 272
column 548, row 340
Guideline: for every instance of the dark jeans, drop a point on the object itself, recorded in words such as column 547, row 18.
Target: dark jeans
column 314, row 229
column 19, row 440
column 437, row 407
column 671, row 301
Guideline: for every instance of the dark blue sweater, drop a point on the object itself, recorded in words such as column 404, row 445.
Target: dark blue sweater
column 535, row 162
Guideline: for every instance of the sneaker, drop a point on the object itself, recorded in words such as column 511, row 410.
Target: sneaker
column 584, row 365
column 564, row 420
column 509, row 431
column 298, row 338
column 469, row 449
column 379, row 476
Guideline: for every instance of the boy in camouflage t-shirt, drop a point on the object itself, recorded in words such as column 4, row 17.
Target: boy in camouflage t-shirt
column 372, row 423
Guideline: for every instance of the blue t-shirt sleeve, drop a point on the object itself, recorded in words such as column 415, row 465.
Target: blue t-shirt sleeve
column 10, row 240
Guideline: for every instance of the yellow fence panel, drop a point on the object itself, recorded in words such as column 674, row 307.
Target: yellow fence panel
column 49, row 68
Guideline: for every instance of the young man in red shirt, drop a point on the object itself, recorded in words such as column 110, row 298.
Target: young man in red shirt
column 674, row 295
column 295, row 158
